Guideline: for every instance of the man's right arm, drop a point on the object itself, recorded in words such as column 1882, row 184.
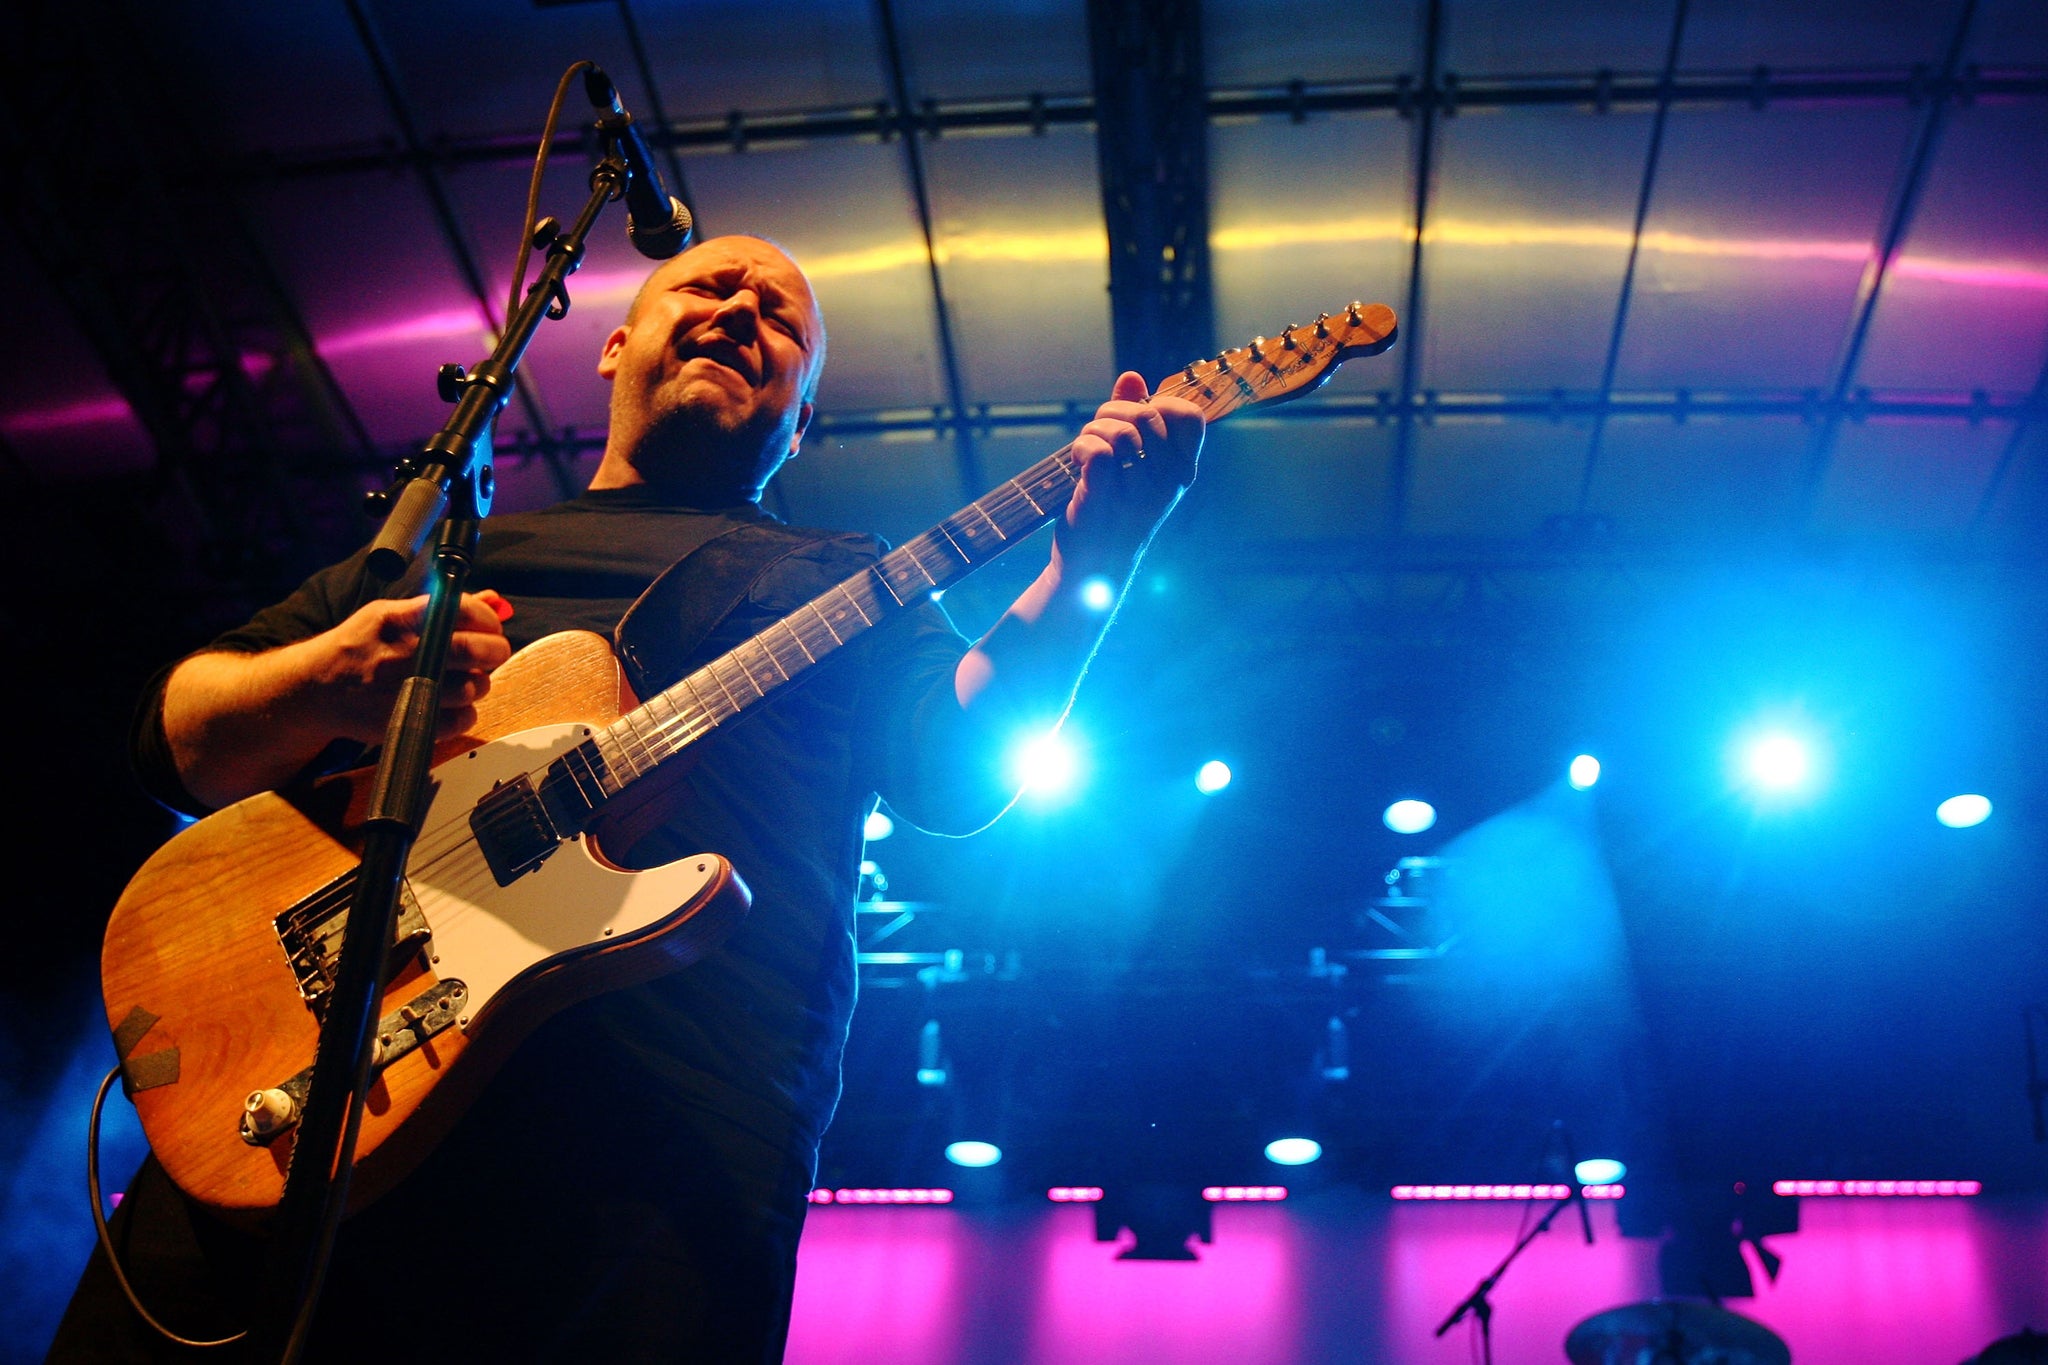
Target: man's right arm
column 240, row 723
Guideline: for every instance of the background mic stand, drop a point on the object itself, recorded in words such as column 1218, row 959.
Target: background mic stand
column 450, row 478
column 1477, row 1304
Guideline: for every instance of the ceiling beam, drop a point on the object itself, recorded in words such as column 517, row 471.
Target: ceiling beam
column 964, row 453
column 452, row 232
column 1152, row 152
column 1891, row 237
column 1428, row 99
column 1030, row 115
column 1635, row 246
column 1386, row 408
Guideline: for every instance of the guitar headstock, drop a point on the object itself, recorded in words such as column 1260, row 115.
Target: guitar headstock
column 1287, row 366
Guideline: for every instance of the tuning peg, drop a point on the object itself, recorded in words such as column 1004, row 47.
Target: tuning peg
column 1322, row 325
column 1189, row 373
column 1223, row 362
column 1256, row 343
column 1287, row 337
column 1352, row 313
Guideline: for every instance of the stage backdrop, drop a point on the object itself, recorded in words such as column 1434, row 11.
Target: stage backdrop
column 1345, row 1278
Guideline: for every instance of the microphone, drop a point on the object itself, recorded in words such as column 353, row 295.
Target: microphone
column 657, row 224
column 1571, row 1159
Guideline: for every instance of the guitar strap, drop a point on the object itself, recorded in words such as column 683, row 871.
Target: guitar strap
column 663, row 633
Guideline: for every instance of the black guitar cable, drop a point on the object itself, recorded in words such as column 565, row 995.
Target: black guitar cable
column 99, row 1222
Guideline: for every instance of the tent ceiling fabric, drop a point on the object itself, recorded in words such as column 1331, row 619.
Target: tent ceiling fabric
column 1761, row 235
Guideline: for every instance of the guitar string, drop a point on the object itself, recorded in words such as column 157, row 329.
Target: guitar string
column 687, row 725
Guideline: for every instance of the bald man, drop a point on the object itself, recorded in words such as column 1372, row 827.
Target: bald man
column 633, row 1183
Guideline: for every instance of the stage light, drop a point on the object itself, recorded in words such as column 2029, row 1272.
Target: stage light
column 1599, row 1170
column 931, row 1056
column 898, row 1196
column 879, row 826
column 1098, row 594
column 1075, row 1194
column 1245, row 1194
column 1293, row 1151
column 1409, row 817
column 1877, row 1189
column 973, row 1154
column 1777, row 762
column 1961, row 812
column 1046, row 765
column 1584, row 772
column 1503, row 1191
column 1213, row 777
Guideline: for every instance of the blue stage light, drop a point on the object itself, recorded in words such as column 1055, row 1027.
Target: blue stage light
column 1599, row 1170
column 1961, row 812
column 1046, row 765
column 1098, row 594
column 1213, row 777
column 1776, row 763
column 879, row 826
column 973, row 1153
column 1584, row 772
column 1409, row 817
column 1293, row 1151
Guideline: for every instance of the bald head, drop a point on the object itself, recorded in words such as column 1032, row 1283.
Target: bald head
column 713, row 372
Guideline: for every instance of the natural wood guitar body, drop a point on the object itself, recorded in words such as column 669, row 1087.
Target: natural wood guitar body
column 194, row 942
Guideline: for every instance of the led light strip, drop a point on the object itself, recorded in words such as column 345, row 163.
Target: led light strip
column 1504, row 1191
column 1245, row 1194
column 1876, row 1189
column 1074, row 1194
column 881, row 1196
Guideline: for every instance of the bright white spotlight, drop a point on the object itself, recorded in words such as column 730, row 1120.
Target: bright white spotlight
column 1046, row 765
column 1777, row 762
column 1599, row 1170
column 1409, row 817
column 1293, row 1151
column 1098, row 593
column 1584, row 772
column 878, row 826
column 973, row 1153
column 1213, row 777
column 1961, row 812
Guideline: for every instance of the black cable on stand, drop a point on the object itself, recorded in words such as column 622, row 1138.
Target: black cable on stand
column 448, row 483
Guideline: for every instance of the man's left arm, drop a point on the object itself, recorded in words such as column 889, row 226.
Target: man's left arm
column 1137, row 457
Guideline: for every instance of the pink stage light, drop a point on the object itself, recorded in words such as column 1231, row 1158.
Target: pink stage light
column 1877, row 1189
column 1504, row 1191
column 1244, row 1194
column 1075, row 1194
column 881, row 1196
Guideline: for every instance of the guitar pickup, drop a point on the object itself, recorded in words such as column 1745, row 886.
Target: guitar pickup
column 513, row 830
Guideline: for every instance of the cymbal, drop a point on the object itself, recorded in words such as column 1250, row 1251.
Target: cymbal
column 1674, row 1332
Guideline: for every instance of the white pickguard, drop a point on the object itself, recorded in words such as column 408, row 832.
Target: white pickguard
column 485, row 934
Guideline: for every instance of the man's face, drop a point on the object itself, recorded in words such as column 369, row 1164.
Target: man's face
column 711, row 377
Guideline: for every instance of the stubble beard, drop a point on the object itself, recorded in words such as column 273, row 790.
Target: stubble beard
column 700, row 444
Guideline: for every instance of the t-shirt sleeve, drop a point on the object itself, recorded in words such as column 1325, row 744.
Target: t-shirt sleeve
column 320, row 603
column 918, row 750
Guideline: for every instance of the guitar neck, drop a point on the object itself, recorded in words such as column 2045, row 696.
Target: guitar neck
column 1297, row 361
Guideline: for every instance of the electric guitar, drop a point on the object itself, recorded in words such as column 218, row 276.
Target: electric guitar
column 221, row 952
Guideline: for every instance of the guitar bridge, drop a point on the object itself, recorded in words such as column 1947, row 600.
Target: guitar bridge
column 310, row 934
column 268, row 1115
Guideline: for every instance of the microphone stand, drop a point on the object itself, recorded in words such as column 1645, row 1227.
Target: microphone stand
column 449, row 482
column 1478, row 1304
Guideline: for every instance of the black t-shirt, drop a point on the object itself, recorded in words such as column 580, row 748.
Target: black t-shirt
column 753, row 1032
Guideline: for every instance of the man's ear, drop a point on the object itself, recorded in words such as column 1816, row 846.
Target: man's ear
column 803, row 422
column 608, row 358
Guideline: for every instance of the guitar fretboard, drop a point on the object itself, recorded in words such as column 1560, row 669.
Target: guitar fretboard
column 639, row 741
